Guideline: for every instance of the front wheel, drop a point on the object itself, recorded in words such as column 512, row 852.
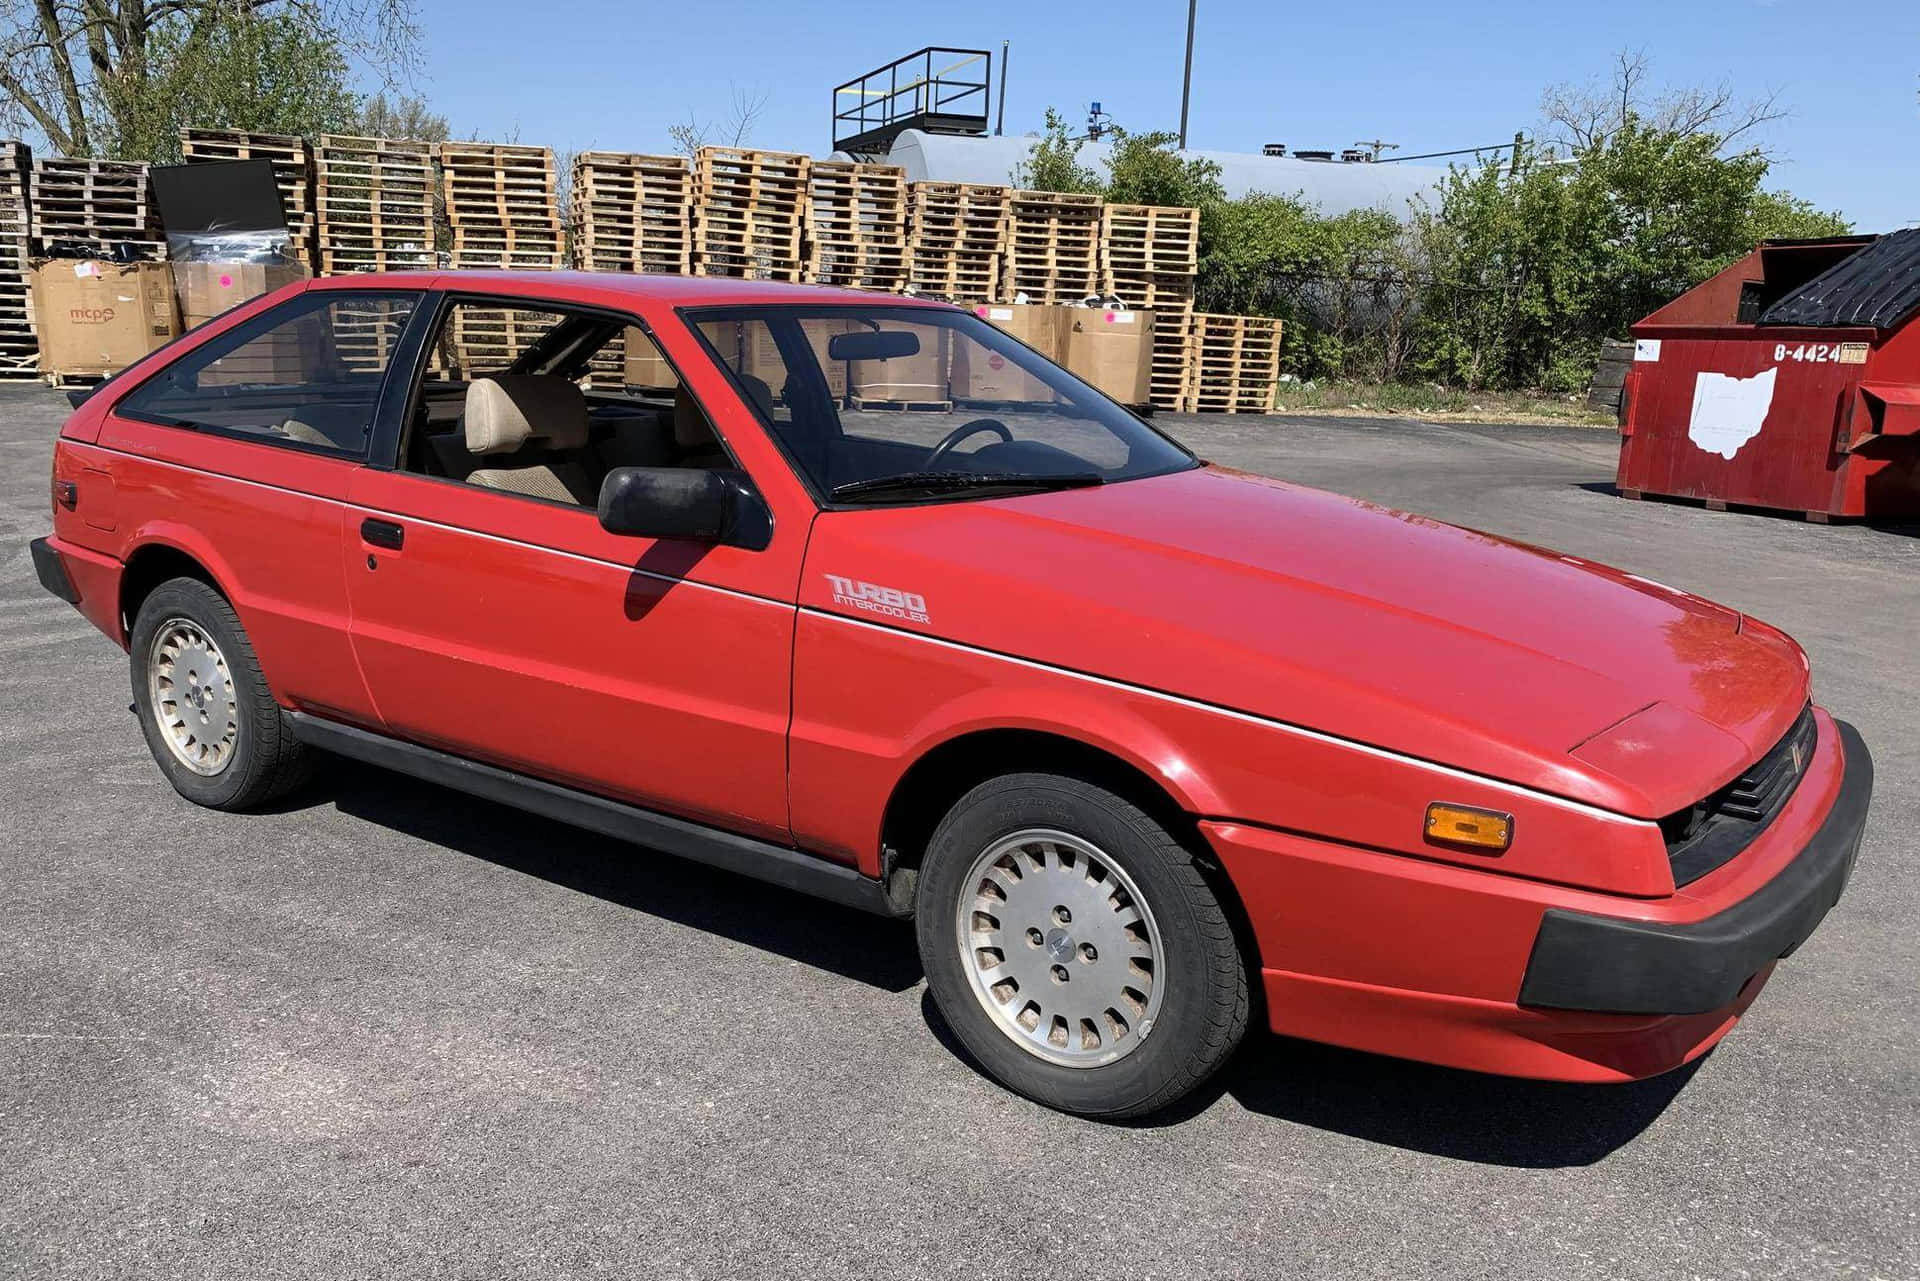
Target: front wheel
column 1075, row 948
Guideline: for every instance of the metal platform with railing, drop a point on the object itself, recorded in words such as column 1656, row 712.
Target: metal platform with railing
column 937, row 90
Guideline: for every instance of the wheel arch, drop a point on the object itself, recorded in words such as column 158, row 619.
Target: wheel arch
column 153, row 560
column 947, row 770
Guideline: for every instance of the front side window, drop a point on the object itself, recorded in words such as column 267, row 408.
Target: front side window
column 308, row 373
column 909, row 404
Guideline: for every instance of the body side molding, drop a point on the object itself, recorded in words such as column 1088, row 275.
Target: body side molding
column 777, row 864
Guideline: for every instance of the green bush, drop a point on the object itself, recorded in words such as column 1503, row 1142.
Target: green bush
column 1509, row 277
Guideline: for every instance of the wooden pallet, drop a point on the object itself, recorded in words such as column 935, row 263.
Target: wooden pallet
column 747, row 267
column 856, row 225
column 1139, row 240
column 1052, row 246
column 632, row 212
column 488, row 340
column 1233, row 363
column 497, row 186
column 374, row 202
column 749, row 213
column 19, row 349
column 104, row 201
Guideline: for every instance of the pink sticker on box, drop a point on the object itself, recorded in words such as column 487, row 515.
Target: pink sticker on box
column 226, row 282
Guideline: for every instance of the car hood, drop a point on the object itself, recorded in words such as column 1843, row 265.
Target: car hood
column 1350, row 619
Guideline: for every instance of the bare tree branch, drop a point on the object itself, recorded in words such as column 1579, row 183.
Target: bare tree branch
column 1581, row 117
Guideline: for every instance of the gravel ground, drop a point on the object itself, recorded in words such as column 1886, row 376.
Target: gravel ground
column 389, row 1030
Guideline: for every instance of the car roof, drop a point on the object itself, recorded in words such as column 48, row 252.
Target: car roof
column 615, row 287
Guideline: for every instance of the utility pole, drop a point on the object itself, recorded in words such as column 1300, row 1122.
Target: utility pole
column 1376, row 146
column 1186, row 81
column 1006, row 47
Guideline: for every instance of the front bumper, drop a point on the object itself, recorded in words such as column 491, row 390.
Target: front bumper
column 1426, row 960
column 1609, row 965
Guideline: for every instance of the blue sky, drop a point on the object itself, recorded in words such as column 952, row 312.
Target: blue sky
column 1429, row 76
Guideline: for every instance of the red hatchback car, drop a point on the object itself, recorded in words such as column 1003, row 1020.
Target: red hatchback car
column 858, row 595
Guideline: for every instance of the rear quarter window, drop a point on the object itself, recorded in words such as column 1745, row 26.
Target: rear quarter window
column 305, row 375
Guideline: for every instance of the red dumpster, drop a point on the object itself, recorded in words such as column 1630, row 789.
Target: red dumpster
column 1791, row 380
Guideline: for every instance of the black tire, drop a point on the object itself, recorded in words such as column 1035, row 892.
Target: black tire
column 1204, row 1009
column 266, row 760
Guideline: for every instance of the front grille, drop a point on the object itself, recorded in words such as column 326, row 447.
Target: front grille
column 1711, row 832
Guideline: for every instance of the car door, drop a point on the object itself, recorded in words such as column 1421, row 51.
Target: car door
column 513, row 629
column 240, row 454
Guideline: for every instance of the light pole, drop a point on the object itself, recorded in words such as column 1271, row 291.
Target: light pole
column 1186, row 81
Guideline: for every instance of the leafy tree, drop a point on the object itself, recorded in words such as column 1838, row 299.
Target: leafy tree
column 1148, row 169
column 1533, row 264
column 402, row 116
column 268, row 72
column 1053, row 163
column 96, row 78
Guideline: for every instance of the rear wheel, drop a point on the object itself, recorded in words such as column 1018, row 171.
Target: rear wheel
column 1075, row 948
column 209, row 719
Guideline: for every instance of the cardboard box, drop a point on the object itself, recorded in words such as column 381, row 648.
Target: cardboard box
column 981, row 375
column 290, row 354
column 1112, row 351
column 646, row 367
column 209, row 289
column 99, row 317
column 922, row 379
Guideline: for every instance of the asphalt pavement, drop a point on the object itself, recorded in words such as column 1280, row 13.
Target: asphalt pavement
column 388, row 1030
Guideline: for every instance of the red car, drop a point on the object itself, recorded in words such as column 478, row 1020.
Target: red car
column 855, row 594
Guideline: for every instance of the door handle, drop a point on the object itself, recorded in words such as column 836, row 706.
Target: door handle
column 383, row 533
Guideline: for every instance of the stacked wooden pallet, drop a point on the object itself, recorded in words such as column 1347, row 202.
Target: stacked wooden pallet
column 1053, row 246
column 485, row 340
column 96, row 202
column 749, row 213
column 19, row 353
column 502, row 206
column 1148, row 257
column 632, row 212
column 957, row 239
column 375, row 204
column 856, row 220
column 292, row 160
column 1233, row 364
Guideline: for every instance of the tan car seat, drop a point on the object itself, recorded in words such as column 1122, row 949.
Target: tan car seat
column 507, row 413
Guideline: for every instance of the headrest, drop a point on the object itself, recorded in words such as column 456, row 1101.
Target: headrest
column 758, row 392
column 507, row 411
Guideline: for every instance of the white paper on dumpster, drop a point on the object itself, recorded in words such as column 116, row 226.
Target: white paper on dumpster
column 1728, row 411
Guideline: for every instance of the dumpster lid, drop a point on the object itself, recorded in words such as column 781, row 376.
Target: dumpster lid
column 1876, row 288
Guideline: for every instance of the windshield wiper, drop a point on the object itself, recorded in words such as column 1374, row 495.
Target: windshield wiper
column 949, row 482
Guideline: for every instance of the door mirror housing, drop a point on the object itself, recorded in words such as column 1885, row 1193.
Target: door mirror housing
column 698, row 504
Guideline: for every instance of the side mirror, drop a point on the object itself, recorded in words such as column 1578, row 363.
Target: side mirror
column 707, row 505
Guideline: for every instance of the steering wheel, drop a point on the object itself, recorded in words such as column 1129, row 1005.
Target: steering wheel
column 958, row 434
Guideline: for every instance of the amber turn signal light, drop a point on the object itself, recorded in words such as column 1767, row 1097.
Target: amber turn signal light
column 1466, row 825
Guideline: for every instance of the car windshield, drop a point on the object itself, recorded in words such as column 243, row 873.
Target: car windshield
column 892, row 404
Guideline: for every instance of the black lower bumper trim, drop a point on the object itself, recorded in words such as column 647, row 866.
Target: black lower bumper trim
column 1606, row 964
column 53, row 574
